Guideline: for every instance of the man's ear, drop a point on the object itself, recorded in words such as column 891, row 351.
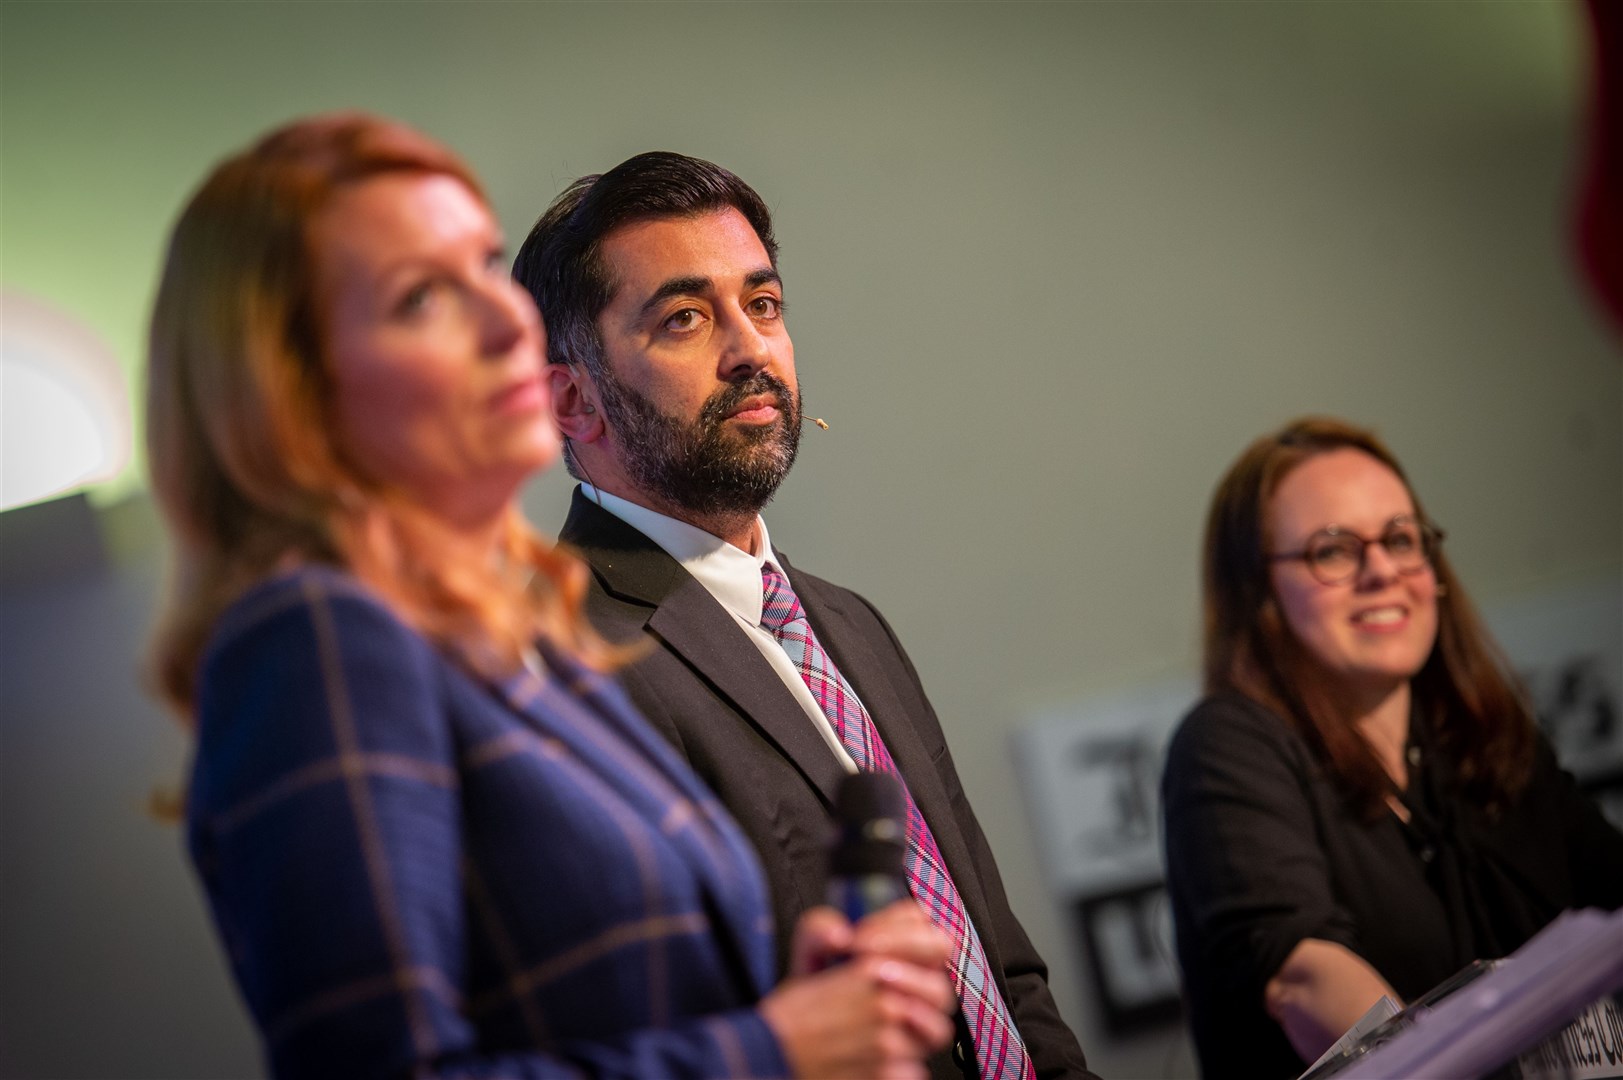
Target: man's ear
column 574, row 403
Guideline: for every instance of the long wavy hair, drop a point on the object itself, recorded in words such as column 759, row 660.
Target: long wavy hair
column 1465, row 687
column 240, row 422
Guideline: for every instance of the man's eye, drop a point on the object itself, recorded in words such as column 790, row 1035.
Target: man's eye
column 766, row 307
column 686, row 319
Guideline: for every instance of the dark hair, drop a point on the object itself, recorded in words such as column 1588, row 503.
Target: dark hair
column 1465, row 689
column 561, row 261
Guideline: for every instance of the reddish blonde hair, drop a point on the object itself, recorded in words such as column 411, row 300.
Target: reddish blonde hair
column 1465, row 688
column 239, row 421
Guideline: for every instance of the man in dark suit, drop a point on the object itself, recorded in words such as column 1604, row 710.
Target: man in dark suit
column 673, row 381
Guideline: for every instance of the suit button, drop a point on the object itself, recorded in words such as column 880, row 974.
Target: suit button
column 958, row 1053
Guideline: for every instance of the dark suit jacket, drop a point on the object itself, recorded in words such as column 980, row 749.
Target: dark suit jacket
column 707, row 689
column 416, row 871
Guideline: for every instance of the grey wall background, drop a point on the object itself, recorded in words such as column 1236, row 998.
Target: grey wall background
column 1050, row 267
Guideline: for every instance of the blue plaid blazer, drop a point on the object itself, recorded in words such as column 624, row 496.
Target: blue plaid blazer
column 418, row 872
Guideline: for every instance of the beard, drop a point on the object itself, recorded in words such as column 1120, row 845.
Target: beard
column 704, row 465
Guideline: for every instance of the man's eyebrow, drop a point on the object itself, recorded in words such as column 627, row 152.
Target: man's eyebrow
column 764, row 276
column 676, row 286
column 688, row 286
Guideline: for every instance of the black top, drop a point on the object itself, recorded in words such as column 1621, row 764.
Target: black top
column 1263, row 851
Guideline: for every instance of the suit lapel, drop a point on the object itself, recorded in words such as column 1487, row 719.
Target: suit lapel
column 687, row 621
column 697, row 628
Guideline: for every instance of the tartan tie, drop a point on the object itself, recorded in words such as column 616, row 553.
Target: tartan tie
column 999, row 1052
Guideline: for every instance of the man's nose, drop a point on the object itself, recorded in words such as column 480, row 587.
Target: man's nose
column 745, row 349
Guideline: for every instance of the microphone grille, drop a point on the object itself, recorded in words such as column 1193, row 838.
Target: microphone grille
column 869, row 796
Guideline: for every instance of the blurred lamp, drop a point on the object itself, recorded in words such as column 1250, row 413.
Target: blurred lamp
column 64, row 410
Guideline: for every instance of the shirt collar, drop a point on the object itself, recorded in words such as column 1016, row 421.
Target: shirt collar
column 730, row 574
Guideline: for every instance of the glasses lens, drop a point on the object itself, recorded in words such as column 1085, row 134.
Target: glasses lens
column 1406, row 546
column 1334, row 557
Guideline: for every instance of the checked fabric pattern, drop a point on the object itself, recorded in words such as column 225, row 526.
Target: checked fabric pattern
column 999, row 1052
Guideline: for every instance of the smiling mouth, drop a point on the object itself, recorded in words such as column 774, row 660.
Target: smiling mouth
column 1381, row 617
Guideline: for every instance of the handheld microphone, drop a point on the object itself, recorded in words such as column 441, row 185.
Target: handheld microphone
column 865, row 862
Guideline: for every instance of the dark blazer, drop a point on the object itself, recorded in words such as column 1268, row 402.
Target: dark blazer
column 416, row 871
column 707, row 689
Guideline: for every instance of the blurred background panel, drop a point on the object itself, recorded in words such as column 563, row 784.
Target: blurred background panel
column 1050, row 266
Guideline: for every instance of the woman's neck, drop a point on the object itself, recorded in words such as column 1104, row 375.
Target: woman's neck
column 1384, row 724
column 449, row 536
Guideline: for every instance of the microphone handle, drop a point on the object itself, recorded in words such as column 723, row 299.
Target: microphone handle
column 859, row 895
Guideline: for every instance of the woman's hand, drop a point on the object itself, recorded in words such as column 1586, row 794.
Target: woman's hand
column 878, row 1014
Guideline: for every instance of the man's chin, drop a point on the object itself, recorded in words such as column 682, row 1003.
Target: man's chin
column 764, row 469
column 754, row 442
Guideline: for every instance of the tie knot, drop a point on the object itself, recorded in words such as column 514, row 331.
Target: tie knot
column 779, row 604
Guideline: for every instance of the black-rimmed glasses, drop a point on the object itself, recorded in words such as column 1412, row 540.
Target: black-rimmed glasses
column 1334, row 555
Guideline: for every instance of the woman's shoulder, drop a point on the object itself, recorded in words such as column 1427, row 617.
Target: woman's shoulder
column 1230, row 727
column 304, row 662
column 1224, row 713
column 302, row 601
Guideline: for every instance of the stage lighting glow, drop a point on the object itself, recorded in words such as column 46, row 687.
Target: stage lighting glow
column 64, row 410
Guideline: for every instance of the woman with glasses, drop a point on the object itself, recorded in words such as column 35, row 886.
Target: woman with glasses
column 1361, row 804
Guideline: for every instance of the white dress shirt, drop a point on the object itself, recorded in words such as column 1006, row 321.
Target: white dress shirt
column 733, row 577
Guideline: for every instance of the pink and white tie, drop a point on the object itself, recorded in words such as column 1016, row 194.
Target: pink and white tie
column 999, row 1051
